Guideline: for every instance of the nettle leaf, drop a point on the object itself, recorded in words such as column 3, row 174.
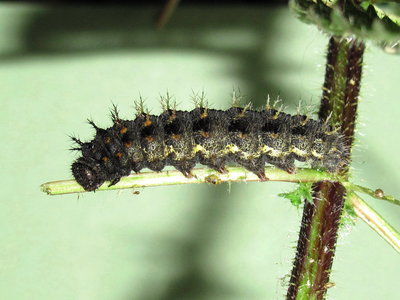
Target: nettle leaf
column 364, row 20
column 349, row 215
column 303, row 192
column 300, row 194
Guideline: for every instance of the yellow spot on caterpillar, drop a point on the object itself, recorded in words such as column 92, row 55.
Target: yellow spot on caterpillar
column 333, row 149
column 199, row 148
column 178, row 155
column 305, row 121
column 204, row 114
column 205, row 134
column 169, row 150
column 331, row 132
column 118, row 154
column 265, row 149
column 107, row 139
column 149, row 139
column 128, row 144
column 147, row 122
column 316, row 154
column 277, row 153
column 274, row 135
column 123, row 130
column 276, row 115
column 231, row 148
column 272, row 152
column 241, row 114
column 172, row 116
column 105, row 159
column 176, row 137
column 299, row 152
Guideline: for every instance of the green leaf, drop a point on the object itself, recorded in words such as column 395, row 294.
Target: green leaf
column 366, row 20
column 301, row 193
column 349, row 215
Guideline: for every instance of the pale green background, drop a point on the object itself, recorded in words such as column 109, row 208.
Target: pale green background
column 60, row 65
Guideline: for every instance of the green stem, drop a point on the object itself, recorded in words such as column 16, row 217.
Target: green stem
column 148, row 179
column 377, row 194
column 203, row 175
column 316, row 246
column 374, row 220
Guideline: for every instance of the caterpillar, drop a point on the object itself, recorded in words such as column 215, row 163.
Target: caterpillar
column 241, row 135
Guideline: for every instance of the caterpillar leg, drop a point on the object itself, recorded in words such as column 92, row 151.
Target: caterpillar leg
column 184, row 166
column 114, row 181
column 156, row 165
column 217, row 164
column 284, row 163
column 255, row 165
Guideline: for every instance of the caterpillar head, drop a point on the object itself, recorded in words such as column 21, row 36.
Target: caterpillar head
column 88, row 173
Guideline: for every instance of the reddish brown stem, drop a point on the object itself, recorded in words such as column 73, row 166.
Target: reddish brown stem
column 316, row 246
column 321, row 218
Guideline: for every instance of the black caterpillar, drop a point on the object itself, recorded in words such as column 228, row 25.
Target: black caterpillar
column 211, row 137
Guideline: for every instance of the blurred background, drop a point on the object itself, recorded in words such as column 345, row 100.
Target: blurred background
column 60, row 64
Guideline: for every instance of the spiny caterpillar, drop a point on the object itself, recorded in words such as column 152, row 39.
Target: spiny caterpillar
column 250, row 138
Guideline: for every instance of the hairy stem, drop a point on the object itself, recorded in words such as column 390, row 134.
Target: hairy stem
column 321, row 218
column 374, row 220
column 317, row 241
column 377, row 194
column 204, row 175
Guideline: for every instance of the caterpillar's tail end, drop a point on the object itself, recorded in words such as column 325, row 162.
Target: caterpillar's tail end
column 87, row 175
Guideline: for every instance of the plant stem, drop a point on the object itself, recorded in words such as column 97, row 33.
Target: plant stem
column 321, row 218
column 315, row 249
column 148, row 179
column 342, row 86
column 166, row 13
column 203, row 175
column 377, row 194
column 374, row 220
